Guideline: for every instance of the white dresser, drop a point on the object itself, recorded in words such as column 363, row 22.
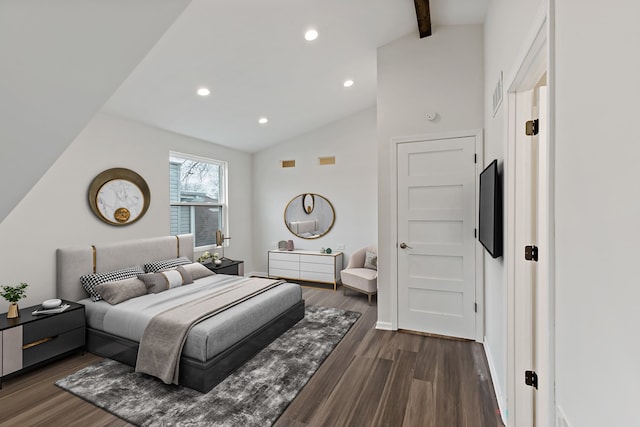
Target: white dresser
column 311, row 266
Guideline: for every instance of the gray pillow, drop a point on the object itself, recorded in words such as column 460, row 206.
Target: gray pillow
column 371, row 260
column 90, row 281
column 158, row 282
column 197, row 270
column 121, row 290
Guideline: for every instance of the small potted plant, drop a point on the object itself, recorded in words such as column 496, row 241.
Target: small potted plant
column 216, row 258
column 205, row 258
column 13, row 294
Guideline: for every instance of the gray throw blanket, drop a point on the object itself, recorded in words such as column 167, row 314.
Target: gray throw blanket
column 165, row 335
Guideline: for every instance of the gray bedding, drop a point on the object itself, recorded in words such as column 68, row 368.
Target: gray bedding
column 206, row 339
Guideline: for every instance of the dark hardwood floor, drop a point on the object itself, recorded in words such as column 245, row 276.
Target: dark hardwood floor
column 372, row 378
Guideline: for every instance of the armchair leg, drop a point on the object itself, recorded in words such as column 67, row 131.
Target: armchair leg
column 369, row 299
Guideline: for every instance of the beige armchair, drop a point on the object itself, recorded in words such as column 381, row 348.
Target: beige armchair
column 357, row 277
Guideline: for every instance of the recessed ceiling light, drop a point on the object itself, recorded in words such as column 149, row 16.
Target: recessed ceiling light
column 348, row 83
column 263, row 120
column 311, row 35
column 203, row 91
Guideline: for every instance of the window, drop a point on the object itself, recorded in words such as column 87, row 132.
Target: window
column 197, row 194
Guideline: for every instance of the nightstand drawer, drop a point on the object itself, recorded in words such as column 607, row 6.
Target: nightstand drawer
column 52, row 326
column 53, row 345
column 29, row 340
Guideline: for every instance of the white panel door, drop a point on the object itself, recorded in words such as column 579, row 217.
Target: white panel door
column 436, row 242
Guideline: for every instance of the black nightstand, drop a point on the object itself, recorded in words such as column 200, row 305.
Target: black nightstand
column 228, row 266
column 29, row 341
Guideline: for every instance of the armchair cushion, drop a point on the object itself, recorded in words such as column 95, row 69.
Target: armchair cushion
column 363, row 279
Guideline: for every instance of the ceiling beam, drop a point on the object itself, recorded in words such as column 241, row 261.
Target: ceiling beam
column 424, row 17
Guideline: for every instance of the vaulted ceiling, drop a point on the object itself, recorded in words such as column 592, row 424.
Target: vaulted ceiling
column 65, row 60
column 253, row 57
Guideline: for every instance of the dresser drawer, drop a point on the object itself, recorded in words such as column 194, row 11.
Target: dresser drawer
column 51, row 346
column 317, row 268
column 317, row 259
column 284, row 256
column 54, row 325
column 283, row 265
column 285, row 274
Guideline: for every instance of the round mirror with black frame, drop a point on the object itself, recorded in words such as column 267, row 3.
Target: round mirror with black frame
column 309, row 216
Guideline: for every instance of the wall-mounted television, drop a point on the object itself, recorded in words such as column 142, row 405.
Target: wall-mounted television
column 490, row 215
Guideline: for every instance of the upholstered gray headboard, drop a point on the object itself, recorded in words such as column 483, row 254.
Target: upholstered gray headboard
column 75, row 261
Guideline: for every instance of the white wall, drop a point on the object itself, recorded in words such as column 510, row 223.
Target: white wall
column 441, row 73
column 597, row 211
column 350, row 185
column 507, row 25
column 56, row 213
column 53, row 82
column 597, row 207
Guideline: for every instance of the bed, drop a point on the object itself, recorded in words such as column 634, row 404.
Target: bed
column 214, row 348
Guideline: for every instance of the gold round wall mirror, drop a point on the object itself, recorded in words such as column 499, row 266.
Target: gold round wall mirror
column 309, row 216
column 119, row 196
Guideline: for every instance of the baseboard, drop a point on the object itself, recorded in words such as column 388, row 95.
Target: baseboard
column 502, row 403
column 385, row 326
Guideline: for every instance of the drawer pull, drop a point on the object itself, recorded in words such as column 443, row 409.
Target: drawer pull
column 35, row 343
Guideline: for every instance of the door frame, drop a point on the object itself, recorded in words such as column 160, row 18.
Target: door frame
column 477, row 134
column 536, row 58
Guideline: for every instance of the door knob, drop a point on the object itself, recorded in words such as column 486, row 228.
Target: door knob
column 403, row 245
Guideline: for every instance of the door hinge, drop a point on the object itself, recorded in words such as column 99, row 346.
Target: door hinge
column 531, row 127
column 475, row 307
column 531, row 253
column 531, row 379
column 475, row 158
column 475, row 232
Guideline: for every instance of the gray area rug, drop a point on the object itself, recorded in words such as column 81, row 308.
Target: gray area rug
column 254, row 395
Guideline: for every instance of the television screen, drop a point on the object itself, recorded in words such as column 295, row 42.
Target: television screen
column 490, row 215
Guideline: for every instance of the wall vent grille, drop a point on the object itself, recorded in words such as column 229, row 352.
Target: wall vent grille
column 497, row 96
column 327, row 160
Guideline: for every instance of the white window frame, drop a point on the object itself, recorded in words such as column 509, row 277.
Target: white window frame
column 223, row 196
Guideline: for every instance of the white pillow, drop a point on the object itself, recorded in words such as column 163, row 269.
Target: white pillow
column 197, row 270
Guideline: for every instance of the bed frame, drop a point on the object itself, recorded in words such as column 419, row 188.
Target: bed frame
column 202, row 376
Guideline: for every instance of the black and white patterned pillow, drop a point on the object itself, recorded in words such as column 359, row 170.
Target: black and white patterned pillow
column 164, row 264
column 90, row 281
